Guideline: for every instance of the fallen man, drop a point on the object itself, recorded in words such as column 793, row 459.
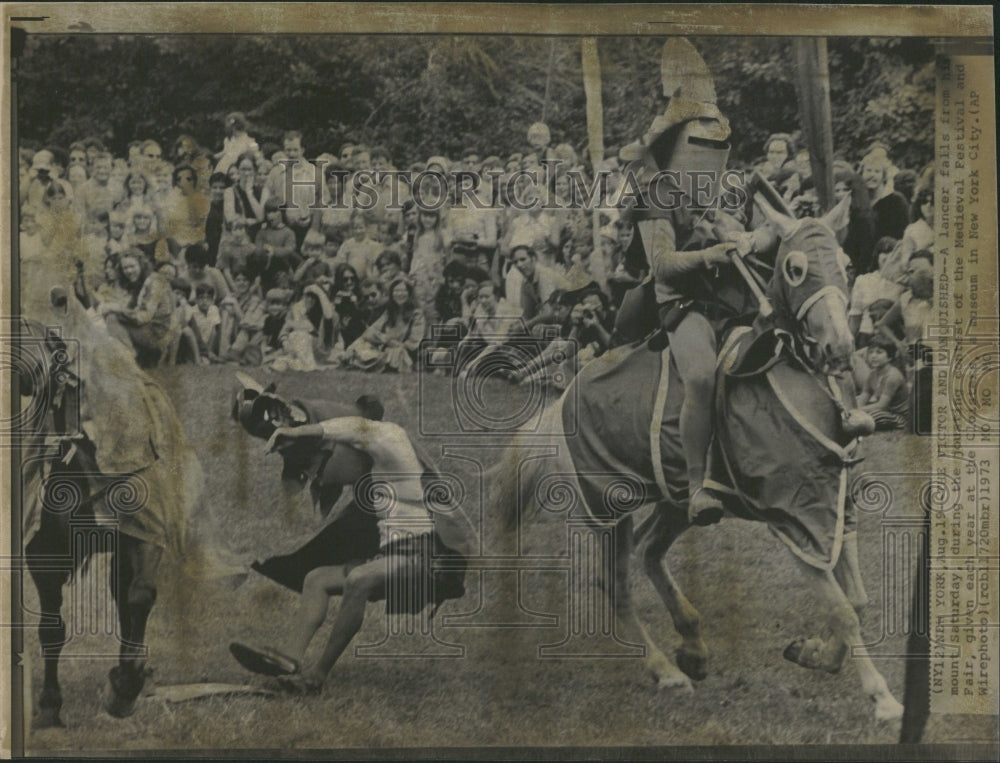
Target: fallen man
column 409, row 537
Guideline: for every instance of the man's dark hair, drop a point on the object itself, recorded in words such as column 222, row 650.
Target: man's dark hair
column 219, row 177
column 922, row 254
column 371, row 407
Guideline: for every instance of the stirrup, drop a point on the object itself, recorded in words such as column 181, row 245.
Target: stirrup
column 710, row 510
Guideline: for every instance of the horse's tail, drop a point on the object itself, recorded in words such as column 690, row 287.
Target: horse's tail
column 513, row 481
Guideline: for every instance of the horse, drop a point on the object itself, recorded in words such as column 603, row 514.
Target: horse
column 786, row 432
column 103, row 449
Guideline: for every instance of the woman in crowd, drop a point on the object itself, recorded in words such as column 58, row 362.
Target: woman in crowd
column 135, row 191
column 427, row 265
column 241, row 200
column 307, row 333
column 858, row 239
column 920, row 233
column 346, row 299
column 391, row 343
column 871, row 287
column 143, row 321
column 779, row 148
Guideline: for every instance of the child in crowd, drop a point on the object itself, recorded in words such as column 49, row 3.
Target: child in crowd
column 235, row 251
column 118, row 239
column 360, row 250
column 884, row 396
column 305, row 337
column 205, row 321
column 243, row 315
column 388, row 266
column 274, row 322
column 183, row 317
column 314, row 264
column 275, row 254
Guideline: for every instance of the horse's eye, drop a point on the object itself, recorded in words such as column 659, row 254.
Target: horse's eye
column 795, row 267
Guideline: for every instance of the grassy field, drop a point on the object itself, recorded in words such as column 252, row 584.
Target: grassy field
column 499, row 693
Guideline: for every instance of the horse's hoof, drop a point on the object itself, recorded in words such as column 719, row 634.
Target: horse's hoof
column 47, row 718
column 887, row 708
column 674, row 682
column 120, row 708
column 694, row 666
column 813, row 654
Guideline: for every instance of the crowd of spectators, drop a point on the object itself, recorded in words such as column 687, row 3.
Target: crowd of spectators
column 190, row 256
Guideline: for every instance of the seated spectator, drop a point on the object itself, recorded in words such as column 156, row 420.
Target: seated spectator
column 242, row 318
column 391, row 343
column 859, row 358
column 306, row 335
column 183, row 315
column 884, row 396
column 118, row 240
column 143, row 321
column 346, row 299
column 111, row 290
column 143, row 234
column 450, row 302
column 906, row 321
column 235, row 252
column 920, row 233
column 492, row 324
column 373, row 301
column 314, row 263
column 870, row 288
column 275, row 256
column 276, row 307
column 388, row 266
column 360, row 250
column 537, row 281
column 200, row 272
column 205, row 320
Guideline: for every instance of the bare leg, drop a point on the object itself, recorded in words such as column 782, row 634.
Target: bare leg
column 846, row 626
column 362, row 585
column 669, row 523
column 628, row 626
column 318, row 587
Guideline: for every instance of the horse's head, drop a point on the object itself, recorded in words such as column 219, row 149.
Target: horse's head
column 809, row 288
column 260, row 410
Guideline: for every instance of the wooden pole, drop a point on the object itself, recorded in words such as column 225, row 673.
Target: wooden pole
column 548, row 79
column 595, row 133
column 812, row 82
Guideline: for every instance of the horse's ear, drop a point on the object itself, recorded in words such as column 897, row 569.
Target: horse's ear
column 838, row 217
column 271, row 388
column 782, row 223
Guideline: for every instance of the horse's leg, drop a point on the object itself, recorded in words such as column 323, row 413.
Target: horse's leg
column 827, row 651
column 846, row 626
column 668, row 524
column 51, row 634
column 627, row 624
column 134, row 587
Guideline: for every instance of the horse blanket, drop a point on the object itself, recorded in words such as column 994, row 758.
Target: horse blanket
column 617, row 447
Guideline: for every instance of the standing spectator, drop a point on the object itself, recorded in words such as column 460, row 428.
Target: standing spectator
column 97, row 195
column 215, row 221
column 890, row 208
column 237, row 142
column 307, row 186
column 427, row 265
column 858, row 239
column 185, row 210
column 240, row 201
